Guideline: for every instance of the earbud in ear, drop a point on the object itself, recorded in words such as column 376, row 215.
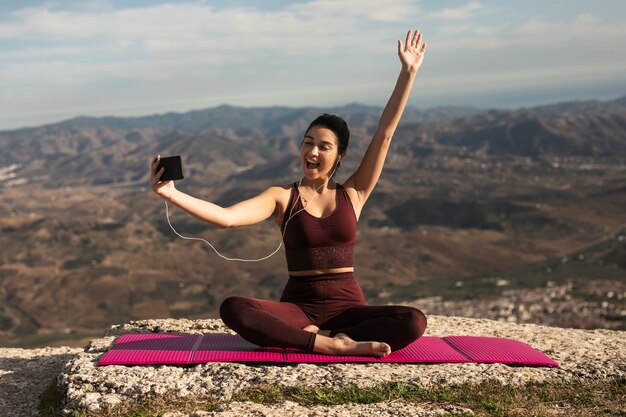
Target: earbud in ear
column 338, row 163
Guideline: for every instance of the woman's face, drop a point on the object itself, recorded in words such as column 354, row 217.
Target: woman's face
column 319, row 152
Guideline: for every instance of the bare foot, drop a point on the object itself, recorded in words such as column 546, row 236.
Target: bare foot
column 347, row 346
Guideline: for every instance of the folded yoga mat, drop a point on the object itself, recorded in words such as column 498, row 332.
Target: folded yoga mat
column 424, row 350
column 151, row 348
column 497, row 350
column 230, row 348
column 172, row 348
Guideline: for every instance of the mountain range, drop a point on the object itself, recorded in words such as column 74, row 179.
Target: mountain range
column 467, row 194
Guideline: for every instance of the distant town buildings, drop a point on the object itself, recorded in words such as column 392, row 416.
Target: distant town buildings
column 599, row 305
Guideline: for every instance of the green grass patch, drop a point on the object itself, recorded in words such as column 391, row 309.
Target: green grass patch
column 51, row 406
column 489, row 398
column 50, row 401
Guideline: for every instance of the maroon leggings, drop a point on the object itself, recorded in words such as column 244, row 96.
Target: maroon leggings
column 331, row 302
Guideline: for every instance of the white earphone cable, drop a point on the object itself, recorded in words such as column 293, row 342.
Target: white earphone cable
column 167, row 213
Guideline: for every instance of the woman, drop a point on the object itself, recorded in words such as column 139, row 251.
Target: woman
column 322, row 308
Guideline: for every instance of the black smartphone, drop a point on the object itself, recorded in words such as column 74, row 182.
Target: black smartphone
column 173, row 168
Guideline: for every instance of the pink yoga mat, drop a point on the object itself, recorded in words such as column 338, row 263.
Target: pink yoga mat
column 171, row 348
column 498, row 350
column 230, row 348
column 426, row 349
column 150, row 349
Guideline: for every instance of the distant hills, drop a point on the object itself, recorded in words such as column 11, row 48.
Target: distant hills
column 531, row 195
column 242, row 118
column 228, row 142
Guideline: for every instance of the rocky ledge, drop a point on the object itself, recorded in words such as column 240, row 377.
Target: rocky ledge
column 26, row 373
column 582, row 354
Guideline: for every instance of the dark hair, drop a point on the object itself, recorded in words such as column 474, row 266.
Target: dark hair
column 338, row 126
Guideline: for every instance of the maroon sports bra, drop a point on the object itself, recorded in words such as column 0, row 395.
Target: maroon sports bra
column 319, row 242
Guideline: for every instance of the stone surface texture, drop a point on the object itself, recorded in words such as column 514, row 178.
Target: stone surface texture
column 26, row 373
column 582, row 354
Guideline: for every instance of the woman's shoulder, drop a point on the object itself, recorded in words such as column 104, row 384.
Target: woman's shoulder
column 282, row 196
column 349, row 188
column 281, row 193
column 281, row 189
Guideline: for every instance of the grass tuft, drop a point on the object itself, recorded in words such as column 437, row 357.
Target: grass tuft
column 490, row 398
column 50, row 401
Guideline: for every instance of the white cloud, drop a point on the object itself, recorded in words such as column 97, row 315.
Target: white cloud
column 176, row 31
column 584, row 30
column 459, row 13
column 59, row 73
column 184, row 23
column 175, row 53
column 180, row 51
column 490, row 30
column 453, row 29
column 375, row 10
column 537, row 53
column 166, row 40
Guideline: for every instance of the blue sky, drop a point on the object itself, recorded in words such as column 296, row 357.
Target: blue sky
column 59, row 59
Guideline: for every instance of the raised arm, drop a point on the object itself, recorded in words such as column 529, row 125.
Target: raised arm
column 247, row 212
column 366, row 176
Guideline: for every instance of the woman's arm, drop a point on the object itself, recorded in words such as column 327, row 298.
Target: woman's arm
column 247, row 212
column 366, row 176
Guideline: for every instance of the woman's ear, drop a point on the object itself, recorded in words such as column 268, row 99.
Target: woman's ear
column 339, row 157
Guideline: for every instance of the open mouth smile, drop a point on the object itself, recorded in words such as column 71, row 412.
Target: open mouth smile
column 312, row 165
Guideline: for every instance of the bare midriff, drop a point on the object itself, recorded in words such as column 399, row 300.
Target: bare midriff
column 321, row 271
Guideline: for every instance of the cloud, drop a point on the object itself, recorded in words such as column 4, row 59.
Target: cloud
column 299, row 51
column 536, row 53
column 374, row 10
column 176, row 51
column 584, row 30
column 189, row 22
column 173, row 31
column 81, row 45
column 459, row 13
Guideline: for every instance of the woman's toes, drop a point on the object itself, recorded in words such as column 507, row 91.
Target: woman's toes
column 346, row 346
column 384, row 348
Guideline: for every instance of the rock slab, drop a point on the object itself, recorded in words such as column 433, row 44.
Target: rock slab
column 26, row 373
column 582, row 354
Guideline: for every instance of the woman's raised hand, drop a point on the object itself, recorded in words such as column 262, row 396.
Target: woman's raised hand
column 163, row 188
column 412, row 52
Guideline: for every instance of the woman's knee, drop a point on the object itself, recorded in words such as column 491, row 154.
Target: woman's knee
column 414, row 322
column 418, row 319
column 231, row 309
column 408, row 325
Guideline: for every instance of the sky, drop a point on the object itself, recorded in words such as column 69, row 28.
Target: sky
column 61, row 59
